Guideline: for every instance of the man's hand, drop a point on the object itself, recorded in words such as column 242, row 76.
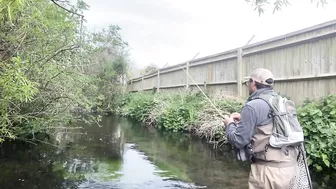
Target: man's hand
column 233, row 118
column 227, row 120
column 236, row 116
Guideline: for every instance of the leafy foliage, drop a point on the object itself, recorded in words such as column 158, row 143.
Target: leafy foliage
column 318, row 119
column 51, row 67
column 137, row 106
column 179, row 112
column 151, row 68
column 210, row 120
column 259, row 5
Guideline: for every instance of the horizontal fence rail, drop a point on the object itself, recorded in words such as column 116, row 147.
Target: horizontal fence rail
column 303, row 63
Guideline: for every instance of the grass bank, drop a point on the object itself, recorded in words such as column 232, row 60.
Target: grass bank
column 192, row 113
column 181, row 112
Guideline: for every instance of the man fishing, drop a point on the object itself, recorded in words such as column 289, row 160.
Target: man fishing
column 251, row 130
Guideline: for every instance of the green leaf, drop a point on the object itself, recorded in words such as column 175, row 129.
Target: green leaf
column 318, row 167
column 9, row 13
column 314, row 111
column 318, row 121
column 326, row 160
column 333, row 124
column 310, row 162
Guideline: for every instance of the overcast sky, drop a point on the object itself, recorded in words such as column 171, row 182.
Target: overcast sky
column 173, row 31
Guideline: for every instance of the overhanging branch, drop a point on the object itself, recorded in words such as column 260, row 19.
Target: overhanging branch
column 60, row 51
column 54, row 1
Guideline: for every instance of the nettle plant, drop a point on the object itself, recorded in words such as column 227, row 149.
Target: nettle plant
column 138, row 106
column 318, row 119
column 180, row 112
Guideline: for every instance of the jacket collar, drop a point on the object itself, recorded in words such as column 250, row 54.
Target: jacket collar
column 258, row 92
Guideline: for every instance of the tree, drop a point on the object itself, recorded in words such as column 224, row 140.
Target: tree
column 51, row 66
column 149, row 69
column 278, row 4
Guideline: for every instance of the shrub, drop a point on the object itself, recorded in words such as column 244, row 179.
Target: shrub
column 318, row 119
column 180, row 112
column 209, row 120
column 138, row 106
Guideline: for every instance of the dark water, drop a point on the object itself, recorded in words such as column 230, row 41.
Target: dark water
column 123, row 155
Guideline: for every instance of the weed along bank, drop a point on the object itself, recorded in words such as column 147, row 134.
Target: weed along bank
column 192, row 97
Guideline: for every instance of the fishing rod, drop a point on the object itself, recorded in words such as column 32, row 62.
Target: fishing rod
column 225, row 116
column 220, row 114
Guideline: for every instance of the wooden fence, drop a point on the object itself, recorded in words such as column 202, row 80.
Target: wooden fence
column 303, row 63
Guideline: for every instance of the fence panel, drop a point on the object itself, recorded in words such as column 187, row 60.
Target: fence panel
column 303, row 63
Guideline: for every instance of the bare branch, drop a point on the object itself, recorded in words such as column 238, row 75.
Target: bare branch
column 18, row 47
column 60, row 51
column 45, row 86
column 66, row 9
column 48, row 143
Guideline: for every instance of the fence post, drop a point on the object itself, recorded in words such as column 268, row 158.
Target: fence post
column 131, row 86
column 239, row 71
column 158, row 81
column 142, row 83
column 187, row 75
column 205, row 86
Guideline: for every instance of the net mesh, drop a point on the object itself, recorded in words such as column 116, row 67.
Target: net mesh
column 302, row 178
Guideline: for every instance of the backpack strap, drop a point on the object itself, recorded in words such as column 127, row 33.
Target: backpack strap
column 265, row 98
column 271, row 114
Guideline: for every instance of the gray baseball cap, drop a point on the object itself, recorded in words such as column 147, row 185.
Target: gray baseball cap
column 262, row 75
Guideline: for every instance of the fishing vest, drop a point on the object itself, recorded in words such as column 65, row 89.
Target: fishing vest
column 263, row 153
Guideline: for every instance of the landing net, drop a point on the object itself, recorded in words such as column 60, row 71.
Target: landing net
column 302, row 178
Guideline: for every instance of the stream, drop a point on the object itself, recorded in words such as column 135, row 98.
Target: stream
column 122, row 154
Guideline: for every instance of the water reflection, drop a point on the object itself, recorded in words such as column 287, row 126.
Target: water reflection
column 120, row 154
column 183, row 157
column 25, row 166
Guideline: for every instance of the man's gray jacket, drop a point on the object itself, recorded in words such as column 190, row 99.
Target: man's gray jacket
column 254, row 112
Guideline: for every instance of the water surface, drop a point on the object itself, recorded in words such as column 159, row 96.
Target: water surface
column 122, row 154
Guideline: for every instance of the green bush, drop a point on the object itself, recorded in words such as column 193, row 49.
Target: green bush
column 318, row 119
column 138, row 106
column 180, row 112
column 175, row 118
